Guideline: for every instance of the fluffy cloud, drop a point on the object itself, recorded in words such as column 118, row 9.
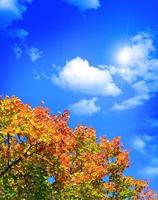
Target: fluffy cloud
column 85, row 4
column 34, row 53
column 85, row 107
column 142, row 95
column 78, row 75
column 131, row 102
column 11, row 10
column 139, row 69
column 136, row 59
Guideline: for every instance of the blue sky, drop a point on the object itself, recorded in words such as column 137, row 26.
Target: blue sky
column 96, row 58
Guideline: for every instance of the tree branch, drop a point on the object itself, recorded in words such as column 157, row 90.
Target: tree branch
column 16, row 161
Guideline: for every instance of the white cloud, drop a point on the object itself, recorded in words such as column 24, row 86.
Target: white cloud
column 85, row 4
column 9, row 5
column 34, row 53
column 139, row 70
column 78, row 75
column 141, row 87
column 85, row 107
column 11, row 10
column 137, row 64
column 131, row 102
column 142, row 94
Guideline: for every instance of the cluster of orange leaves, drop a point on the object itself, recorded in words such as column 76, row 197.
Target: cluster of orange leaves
column 71, row 156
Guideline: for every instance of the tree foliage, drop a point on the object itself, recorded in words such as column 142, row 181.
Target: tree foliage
column 36, row 145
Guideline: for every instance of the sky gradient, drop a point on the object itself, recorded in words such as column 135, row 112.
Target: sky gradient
column 97, row 58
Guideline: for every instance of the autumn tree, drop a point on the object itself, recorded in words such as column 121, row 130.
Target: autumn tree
column 36, row 145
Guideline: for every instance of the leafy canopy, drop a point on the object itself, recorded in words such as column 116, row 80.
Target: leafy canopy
column 36, row 145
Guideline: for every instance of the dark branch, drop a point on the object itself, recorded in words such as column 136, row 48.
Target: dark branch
column 16, row 161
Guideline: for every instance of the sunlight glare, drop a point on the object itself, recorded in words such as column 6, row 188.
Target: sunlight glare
column 125, row 55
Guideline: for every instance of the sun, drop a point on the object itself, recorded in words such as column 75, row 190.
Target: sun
column 125, row 55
